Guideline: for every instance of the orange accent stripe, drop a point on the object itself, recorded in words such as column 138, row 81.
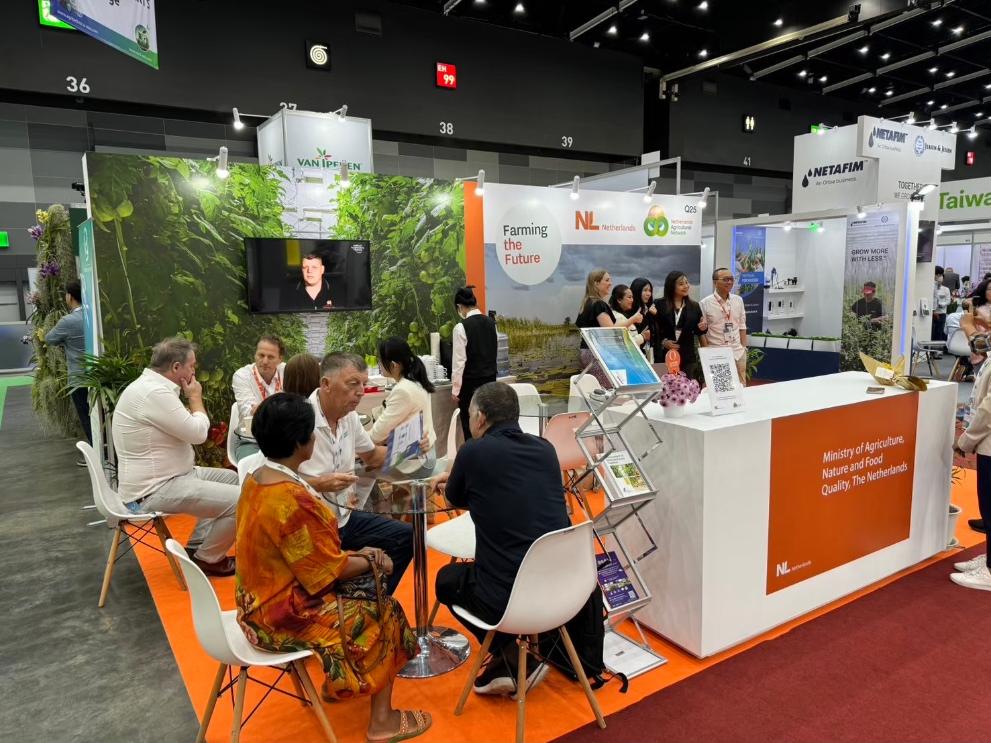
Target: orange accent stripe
column 474, row 243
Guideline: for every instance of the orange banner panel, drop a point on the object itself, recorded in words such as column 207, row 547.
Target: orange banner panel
column 841, row 486
column 474, row 243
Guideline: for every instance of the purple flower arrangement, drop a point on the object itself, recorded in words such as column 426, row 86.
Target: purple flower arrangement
column 50, row 269
column 678, row 389
column 37, row 231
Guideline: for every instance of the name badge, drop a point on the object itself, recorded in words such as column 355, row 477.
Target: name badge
column 728, row 328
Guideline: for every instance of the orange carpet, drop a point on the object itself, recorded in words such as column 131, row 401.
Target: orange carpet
column 555, row 708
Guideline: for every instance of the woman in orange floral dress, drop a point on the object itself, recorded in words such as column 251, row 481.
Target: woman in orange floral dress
column 291, row 570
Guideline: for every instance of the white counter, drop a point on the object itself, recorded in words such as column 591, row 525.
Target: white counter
column 713, row 521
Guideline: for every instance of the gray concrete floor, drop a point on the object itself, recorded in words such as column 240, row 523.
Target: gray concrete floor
column 70, row 671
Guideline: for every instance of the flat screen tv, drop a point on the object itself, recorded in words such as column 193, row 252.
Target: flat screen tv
column 289, row 275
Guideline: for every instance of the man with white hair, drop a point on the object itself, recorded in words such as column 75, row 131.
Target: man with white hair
column 154, row 434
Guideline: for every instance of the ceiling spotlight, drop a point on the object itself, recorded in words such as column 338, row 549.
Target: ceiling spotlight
column 612, row 30
column 645, row 36
column 703, row 5
column 779, row 22
column 938, row 22
column 345, row 176
column 933, row 70
column 480, row 188
column 954, row 128
column 519, row 9
column 704, row 201
column 596, row 44
column 823, row 79
column 872, row 90
column 864, row 49
column 911, row 118
column 341, row 113
column 930, row 102
column 221, row 160
column 988, row 86
column 933, row 125
column 951, row 73
column 886, row 56
column 650, row 192
column 238, row 124
column 479, row 2
column 958, row 30
column 972, row 133
column 979, row 115
column 787, row 226
column 574, row 187
column 703, row 53
column 943, row 107
column 803, row 73
column 861, row 213
column 889, row 92
column 921, row 191
column 820, row 228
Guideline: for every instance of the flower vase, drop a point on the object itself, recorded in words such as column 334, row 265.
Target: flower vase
column 675, row 411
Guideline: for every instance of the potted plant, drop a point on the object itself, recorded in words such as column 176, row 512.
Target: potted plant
column 677, row 391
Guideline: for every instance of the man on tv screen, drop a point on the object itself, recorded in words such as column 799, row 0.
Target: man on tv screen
column 313, row 291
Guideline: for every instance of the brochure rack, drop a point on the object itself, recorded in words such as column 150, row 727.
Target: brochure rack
column 615, row 462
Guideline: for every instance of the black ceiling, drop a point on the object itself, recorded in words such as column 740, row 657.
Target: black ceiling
column 898, row 54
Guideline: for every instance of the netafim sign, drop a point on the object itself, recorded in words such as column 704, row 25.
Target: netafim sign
column 881, row 138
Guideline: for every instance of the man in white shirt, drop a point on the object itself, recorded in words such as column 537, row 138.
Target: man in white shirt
column 339, row 437
column 253, row 383
column 941, row 300
column 727, row 319
column 153, row 434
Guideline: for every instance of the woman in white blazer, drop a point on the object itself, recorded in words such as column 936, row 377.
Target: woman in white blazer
column 409, row 397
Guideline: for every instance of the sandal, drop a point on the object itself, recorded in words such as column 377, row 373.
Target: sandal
column 422, row 720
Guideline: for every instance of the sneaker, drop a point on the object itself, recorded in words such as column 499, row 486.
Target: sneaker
column 966, row 567
column 495, row 678
column 536, row 672
column 979, row 579
column 977, row 525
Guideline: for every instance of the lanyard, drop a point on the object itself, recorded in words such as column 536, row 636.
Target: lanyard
column 726, row 308
column 292, row 475
column 677, row 315
column 276, row 380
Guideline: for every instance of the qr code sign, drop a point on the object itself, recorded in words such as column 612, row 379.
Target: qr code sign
column 722, row 377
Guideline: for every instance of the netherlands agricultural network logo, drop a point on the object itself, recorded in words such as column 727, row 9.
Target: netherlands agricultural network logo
column 656, row 224
column 920, row 146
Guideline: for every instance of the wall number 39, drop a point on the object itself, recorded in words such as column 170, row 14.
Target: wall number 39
column 74, row 85
column 567, row 142
column 447, row 127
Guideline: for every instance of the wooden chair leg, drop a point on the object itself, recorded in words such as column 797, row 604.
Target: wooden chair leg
column 109, row 571
column 164, row 535
column 473, row 673
column 436, row 606
column 297, row 685
column 242, row 683
column 311, row 692
column 520, row 690
column 951, row 377
column 211, row 703
column 576, row 664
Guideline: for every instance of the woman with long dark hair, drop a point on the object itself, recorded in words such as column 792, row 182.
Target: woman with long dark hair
column 621, row 303
column 411, row 394
column 679, row 320
column 643, row 302
column 474, row 351
column 595, row 312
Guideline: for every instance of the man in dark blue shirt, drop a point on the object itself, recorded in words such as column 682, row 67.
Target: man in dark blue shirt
column 510, row 482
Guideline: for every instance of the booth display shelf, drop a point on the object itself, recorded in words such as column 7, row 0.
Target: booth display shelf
column 783, row 315
column 788, row 290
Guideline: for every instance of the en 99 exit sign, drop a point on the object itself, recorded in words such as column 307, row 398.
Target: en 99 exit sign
column 447, row 75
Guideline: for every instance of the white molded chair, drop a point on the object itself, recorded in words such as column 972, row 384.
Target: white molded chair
column 560, row 431
column 455, row 537
column 222, row 639
column 232, row 426
column 136, row 526
column 452, row 438
column 585, row 383
column 249, row 464
column 528, row 423
column 959, row 346
column 554, row 581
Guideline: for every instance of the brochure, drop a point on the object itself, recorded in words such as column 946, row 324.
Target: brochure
column 403, row 446
column 621, row 358
column 617, row 589
column 621, row 477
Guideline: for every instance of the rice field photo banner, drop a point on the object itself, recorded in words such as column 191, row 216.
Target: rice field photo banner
column 749, row 253
column 870, row 282
column 540, row 244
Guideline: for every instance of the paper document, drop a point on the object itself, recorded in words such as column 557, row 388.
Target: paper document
column 403, row 445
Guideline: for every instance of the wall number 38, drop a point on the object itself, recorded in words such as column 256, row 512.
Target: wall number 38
column 74, row 85
column 447, row 127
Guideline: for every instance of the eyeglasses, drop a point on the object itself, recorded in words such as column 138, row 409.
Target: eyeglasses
column 726, row 279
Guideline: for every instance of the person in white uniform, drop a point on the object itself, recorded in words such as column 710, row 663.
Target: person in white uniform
column 255, row 382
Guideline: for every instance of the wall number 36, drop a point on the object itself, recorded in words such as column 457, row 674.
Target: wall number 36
column 74, row 85
column 447, row 127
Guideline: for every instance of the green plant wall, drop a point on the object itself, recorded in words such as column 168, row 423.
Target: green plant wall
column 56, row 268
column 170, row 261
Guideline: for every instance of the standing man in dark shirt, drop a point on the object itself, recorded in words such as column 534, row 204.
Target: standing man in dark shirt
column 869, row 306
column 510, row 482
column 314, row 290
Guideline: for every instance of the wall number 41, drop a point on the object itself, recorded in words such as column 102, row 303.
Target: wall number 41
column 76, row 85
